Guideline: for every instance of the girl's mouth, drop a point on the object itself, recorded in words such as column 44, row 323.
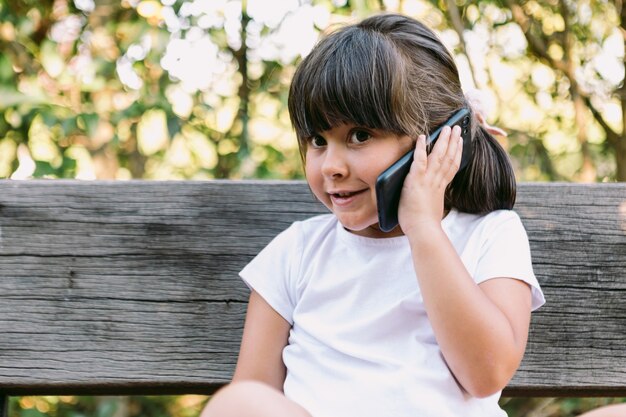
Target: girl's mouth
column 344, row 198
column 345, row 194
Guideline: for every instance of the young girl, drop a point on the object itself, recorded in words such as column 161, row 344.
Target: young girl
column 430, row 319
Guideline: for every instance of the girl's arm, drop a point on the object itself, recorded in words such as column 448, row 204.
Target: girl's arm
column 265, row 334
column 481, row 329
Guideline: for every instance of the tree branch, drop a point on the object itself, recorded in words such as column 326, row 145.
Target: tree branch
column 538, row 48
column 612, row 136
column 536, row 44
column 459, row 27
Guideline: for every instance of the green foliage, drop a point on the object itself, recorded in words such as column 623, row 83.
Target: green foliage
column 191, row 406
column 84, row 95
column 120, row 97
column 557, row 75
column 553, row 407
column 72, row 406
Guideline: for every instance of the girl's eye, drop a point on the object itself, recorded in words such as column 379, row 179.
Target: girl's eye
column 360, row 136
column 317, row 141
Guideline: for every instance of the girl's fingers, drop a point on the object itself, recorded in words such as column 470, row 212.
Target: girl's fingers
column 454, row 153
column 444, row 160
column 419, row 156
column 437, row 157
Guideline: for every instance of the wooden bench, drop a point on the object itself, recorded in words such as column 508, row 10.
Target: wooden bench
column 132, row 287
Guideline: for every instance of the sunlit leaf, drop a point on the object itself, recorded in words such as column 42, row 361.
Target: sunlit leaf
column 88, row 122
column 10, row 97
column 51, row 59
column 152, row 132
column 6, row 70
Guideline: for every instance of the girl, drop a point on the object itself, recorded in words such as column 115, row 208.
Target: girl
column 430, row 319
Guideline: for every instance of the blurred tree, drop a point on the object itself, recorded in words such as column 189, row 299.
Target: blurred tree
column 136, row 406
column 566, row 36
column 195, row 89
column 569, row 67
column 141, row 89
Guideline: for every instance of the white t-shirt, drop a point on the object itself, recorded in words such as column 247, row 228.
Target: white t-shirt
column 361, row 344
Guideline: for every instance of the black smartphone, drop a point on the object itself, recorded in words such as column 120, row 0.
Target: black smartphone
column 389, row 183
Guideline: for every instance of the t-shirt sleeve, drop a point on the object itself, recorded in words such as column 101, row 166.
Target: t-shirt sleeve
column 272, row 273
column 506, row 253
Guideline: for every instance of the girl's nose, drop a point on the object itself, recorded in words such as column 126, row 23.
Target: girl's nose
column 335, row 164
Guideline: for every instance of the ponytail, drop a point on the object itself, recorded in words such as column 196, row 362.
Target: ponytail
column 487, row 183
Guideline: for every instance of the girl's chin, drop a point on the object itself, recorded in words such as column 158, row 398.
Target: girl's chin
column 354, row 225
column 371, row 230
column 350, row 227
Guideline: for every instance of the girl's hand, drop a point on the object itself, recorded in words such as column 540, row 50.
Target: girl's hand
column 422, row 198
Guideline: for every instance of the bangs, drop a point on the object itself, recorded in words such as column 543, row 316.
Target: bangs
column 352, row 76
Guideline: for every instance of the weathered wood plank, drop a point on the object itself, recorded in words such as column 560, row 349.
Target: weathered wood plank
column 578, row 241
column 129, row 287
column 108, row 287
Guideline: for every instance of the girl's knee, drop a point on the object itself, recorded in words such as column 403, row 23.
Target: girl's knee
column 230, row 399
column 245, row 389
column 249, row 398
column 616, row 410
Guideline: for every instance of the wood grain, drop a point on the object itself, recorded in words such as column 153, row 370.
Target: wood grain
column 132, row 287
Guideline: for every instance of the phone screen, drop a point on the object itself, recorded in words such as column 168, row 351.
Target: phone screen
column 389, row 183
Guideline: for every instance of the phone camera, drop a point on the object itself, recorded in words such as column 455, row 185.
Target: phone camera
column 465, row 121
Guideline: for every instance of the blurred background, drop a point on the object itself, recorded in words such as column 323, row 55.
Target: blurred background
column 171, row 89
column 197, row 89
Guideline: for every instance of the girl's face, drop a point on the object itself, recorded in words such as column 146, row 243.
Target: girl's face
column 342, row 165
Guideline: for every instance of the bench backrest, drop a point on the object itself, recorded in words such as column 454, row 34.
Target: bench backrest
column 132, row 287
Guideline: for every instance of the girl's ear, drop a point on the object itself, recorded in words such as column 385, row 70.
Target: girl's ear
column 493, row 130
column 477, row 101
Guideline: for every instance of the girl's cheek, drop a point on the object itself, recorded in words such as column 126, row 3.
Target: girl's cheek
column 310, row 169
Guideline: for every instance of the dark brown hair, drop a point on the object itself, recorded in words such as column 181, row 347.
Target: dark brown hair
column 391, row 72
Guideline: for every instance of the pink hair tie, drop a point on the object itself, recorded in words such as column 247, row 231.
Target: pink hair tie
column 476, row 100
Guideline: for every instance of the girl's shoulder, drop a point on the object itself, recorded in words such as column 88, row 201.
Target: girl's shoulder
column 492, row 218
column 307, row 229
column 499, row 221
